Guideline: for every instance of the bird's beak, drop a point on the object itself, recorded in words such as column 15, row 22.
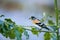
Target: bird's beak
column 29, row 18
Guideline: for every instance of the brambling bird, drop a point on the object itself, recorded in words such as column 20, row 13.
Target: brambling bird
column 37, row 22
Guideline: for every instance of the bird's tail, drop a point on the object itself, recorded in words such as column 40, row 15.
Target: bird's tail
column 46, row 28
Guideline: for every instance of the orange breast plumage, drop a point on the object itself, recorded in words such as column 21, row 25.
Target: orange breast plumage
column 36, row 21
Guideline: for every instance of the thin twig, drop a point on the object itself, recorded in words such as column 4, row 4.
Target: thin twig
column 41, row 30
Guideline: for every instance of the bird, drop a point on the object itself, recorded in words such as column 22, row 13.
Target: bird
column 38, row 22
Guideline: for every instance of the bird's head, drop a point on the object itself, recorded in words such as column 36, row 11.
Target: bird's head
column 32, row 18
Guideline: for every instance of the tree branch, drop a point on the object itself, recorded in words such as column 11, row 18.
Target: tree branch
column 40, row 30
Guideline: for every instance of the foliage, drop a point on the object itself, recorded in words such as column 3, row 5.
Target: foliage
column 26, row 34
column 18, row 35
column 35, row 31
column 47, row 36
column 11, row 34
column 53, row 35
column 8, row 28
column 50, row 22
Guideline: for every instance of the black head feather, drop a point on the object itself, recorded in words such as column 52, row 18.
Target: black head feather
column 32, row 18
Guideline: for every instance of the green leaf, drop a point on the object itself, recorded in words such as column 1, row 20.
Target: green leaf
column 47, row 36
column 53, row 27
column 50, row 22
column 6, row 26
column 9, row 20
column 59, row 37
column 59, row 17
column 35, row 31
column 20, row 29
column 6, row 34
column 3, row 28
column 18, row 35
column 1, row 31
column 12, row 34
column 53, row 35
column 26, row 34
column 2, row 16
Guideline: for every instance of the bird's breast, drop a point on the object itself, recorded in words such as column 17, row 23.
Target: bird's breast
column 36, row 21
